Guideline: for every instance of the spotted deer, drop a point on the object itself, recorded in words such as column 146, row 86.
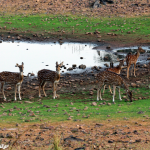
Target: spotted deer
column 49, row 75
column 132, row 59
column 116, row 70
column 111, row 78
column 15, row 78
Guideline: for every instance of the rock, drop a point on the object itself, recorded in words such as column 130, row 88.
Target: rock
column 138, row 82
column 74, row 130
column 99, row 124
column 27, row 102
column 109, row 104
column 133, row 84
column 45, row 127
column 1, row 135
column 106, row 65
column 110, row 141
column 94, row 104
column 124, row 97
column 69, row 118
column 91, row 93
column 85, row 108
column 96, row 4
column 74, row 66
column 138, row 140
column 49, row 110
column 70, row 68
column 82, row 66
column 9, row 88
column 9, row 135
column 18, row 38
column 140, row 112
column 46, row 106
column 32, row 114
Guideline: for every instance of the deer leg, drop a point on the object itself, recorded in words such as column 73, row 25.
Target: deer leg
column 110, row 89
column 134, row 69
column 104, row 88
column 100, row 88
column 54, row 91
column 2, row 89
column 119, row 94
column 15, row 91
column 114, row 88
column 40, row 88
column 19, row 91
column 131, row 69
column 128, row 71
column 43, row 85
column 98, row 94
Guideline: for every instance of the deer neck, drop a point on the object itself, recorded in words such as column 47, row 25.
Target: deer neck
column 138, row 54
column 21, row 76
column 58, row 75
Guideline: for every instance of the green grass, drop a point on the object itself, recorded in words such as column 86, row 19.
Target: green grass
column 62, row 108
column 80, row 24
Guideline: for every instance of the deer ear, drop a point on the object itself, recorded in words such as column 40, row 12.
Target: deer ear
column 16, row 65
column 22, row 63
column 56, row 62
column 62, row 63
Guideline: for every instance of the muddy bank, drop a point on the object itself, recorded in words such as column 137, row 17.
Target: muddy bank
column 107, row 40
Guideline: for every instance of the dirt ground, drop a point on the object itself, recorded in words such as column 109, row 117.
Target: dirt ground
column 89, row 135
column 109, row 134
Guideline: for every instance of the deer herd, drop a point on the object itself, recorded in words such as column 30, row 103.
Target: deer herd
column 110, row 76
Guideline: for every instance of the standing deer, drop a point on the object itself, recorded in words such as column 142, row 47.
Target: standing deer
column 111, row 78
column 115, row 70
column 132, row 59
column 12, row 78
column 49, row 75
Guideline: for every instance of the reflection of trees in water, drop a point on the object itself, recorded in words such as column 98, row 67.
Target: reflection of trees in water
column 103, row 54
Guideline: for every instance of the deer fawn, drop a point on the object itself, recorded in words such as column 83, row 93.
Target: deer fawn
column 49, row 75
column 115, row 70
column 132, row 59
column 12, row 78
column 111, row 78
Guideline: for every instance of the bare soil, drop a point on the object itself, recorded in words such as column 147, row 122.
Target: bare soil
column 108, row 134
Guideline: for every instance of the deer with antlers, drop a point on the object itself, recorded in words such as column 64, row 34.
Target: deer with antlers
column 12, row 78
column 111, row 78
column 132, row 59
column 45, row 75
column 115, row 70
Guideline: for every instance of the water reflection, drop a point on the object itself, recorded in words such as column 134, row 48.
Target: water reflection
column 37, row 56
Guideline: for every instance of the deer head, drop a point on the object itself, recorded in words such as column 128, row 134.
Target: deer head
column 21, row 67
column 58, row 66
column 140, row 50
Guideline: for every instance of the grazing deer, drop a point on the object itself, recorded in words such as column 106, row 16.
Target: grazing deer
column 132, row 59
column 12, row 78
column 111, row 78
column 115, row 70
column 49, row 75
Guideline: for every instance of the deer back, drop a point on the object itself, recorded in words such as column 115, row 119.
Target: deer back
column 48, row 75
column 11, row 77
column 110, row 78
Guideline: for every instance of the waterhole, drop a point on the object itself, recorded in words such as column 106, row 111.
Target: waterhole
column 37, row 56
